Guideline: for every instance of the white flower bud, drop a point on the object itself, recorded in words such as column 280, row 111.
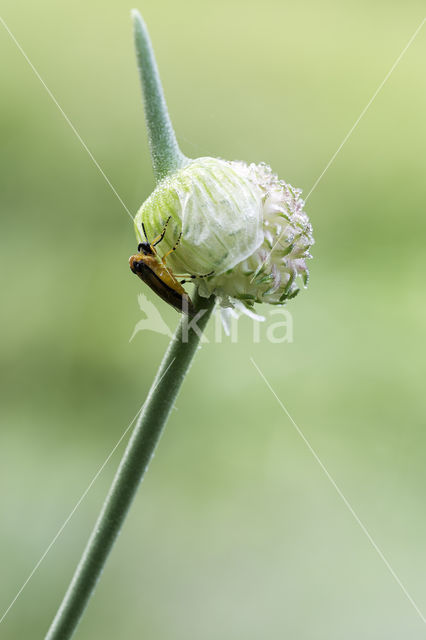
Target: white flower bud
column 238, row 221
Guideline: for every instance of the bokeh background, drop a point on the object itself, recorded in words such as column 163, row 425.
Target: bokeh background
column 236, row 532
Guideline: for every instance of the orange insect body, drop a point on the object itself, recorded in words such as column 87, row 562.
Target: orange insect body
column 154, row 273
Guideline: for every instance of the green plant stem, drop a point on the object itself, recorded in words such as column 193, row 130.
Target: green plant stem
column 165, row 153
column 133, row 465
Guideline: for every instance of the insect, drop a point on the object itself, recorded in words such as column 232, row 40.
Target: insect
column 153, row 271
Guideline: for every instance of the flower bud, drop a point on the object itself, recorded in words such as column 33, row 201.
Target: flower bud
column 238, row 221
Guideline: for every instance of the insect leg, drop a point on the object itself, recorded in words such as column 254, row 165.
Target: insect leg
column 163, row 259
column 189, row 278
column 162, row 234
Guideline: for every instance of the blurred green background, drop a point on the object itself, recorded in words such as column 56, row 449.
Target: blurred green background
column 236, row 532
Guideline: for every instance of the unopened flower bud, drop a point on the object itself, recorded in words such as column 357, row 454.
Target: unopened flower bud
column 236, row 220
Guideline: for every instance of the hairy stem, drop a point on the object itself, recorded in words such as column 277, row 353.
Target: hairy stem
column 131, row 470
column 165, row 153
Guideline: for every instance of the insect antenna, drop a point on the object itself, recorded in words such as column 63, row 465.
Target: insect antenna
column 144, row 232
